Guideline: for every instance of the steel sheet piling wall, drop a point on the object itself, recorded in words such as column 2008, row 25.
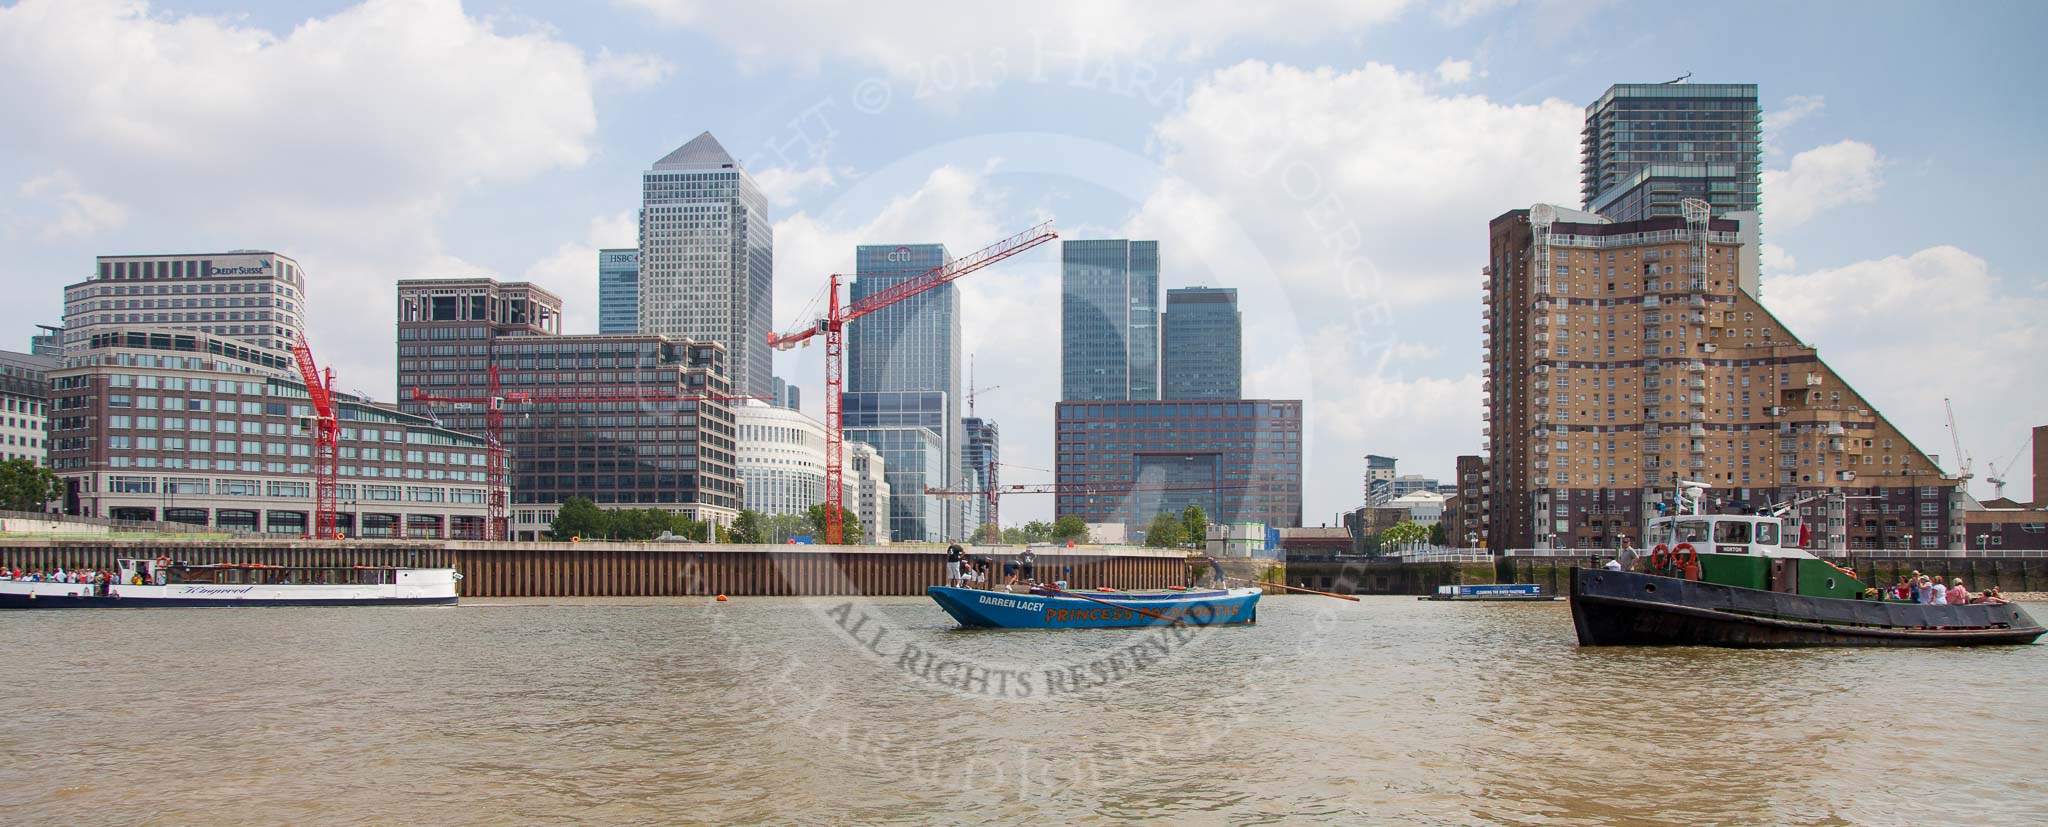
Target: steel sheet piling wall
column 619, row 569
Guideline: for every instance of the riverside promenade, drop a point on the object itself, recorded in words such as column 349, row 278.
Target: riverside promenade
column 598, row 569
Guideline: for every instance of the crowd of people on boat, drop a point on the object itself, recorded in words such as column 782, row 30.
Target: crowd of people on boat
column 1928, row 590
column 98, row 579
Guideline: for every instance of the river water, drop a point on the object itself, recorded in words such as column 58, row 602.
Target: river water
column 879, row 711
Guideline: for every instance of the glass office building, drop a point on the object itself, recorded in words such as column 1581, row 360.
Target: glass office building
column 1109, row 319
column 912, row 458
column 1647, row 147
column 903, row 369
column 978, row 458
column 618, row 291
column 707, row 259
column 1130, row 461
column 1204, row 353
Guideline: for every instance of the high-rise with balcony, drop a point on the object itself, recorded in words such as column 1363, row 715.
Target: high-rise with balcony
column 618, row 290
column 707, row 259
column 1109, row 320
column 1623, row 355
column 903, row 373
column 1647, row 147
column 1203, row 357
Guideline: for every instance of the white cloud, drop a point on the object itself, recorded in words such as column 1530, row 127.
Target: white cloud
column 77, row 213
column 571, row 270
column 1846, row 172
column 1349, row 208
column 1796, row 108
column 1460, row 12
column 343, row 141
column 1454, row 71
column 1003, row 40
column 1910, row 330
column 784, row 186
column 630, row 71
column 1776, row 260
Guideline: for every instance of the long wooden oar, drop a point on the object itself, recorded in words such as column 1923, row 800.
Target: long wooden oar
column 1145, row 612
column 1310, row 591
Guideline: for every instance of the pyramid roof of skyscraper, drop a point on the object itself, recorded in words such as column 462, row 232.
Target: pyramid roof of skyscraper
column 701, row 151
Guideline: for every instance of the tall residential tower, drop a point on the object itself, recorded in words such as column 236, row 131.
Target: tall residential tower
column 1622, row 355
column 1649, row 146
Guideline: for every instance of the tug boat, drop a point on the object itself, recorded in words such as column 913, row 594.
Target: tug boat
column 1726, row 580
column 156, row 583
column 1041, row 608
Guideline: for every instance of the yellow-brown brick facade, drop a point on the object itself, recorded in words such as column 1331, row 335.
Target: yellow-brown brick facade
column 1622, row 356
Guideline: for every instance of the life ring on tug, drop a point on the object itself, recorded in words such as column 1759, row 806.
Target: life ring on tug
column 1687, row 560
column 163, row 562
column 1660, row 557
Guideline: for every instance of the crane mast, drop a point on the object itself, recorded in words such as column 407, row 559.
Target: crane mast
column 326, row 439
column 833, row 327
column 1955, row 439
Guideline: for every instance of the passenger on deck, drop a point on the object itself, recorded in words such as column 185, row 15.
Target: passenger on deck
column 1991, row 595
column 954, row 558
column 1025, row 566
column 1957, row 595
column 1936, row 595
column 1612, row 564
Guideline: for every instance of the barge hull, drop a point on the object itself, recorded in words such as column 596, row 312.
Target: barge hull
column 1631, row 609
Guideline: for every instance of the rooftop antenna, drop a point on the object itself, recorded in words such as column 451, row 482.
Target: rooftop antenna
column 1680, row 79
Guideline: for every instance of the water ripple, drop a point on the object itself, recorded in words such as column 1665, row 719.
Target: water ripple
column 1389, row 710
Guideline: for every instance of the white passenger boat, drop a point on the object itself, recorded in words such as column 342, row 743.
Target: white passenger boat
column 162, row 583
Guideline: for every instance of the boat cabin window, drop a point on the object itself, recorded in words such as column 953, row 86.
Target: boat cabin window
column 1767, row 533
column 1691, row 531
column 1731, row 531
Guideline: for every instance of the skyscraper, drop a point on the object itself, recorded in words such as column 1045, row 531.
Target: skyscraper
column 1109, row 320
column 1649, row 146
column 618, row 291
column 707, row 258
column 903, row 371
column 1203, row 357
column 978, row 458
column 1379, row 479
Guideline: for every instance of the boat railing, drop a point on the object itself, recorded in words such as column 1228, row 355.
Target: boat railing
column 136, row 526
column 1832, row 554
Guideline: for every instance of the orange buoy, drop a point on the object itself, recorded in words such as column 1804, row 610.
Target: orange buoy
column 721, row 598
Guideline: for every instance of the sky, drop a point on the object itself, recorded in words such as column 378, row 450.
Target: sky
column 1336, row 161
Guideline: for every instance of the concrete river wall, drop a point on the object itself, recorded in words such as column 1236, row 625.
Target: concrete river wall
column 624, row 569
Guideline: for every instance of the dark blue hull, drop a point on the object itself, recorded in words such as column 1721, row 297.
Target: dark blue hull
column 15, row 601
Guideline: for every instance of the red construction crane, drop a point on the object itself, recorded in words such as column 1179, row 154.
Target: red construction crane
column 833, row 327
column 326, row 438
column 497, row 525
